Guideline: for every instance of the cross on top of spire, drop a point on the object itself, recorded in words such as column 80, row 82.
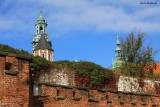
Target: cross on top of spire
column 118, row 42
column 41, row 16
column 117, row 37
column 41, row 11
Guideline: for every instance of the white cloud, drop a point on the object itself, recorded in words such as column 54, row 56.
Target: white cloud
column 80, row 14
column 92, row 15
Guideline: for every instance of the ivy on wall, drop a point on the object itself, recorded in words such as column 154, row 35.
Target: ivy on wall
column 90, row 75
column 157, row 88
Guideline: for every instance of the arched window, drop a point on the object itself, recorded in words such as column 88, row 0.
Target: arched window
column 41, row 30
column 49, row 57
column 43, row 55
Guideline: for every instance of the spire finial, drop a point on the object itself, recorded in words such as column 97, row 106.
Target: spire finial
column 117, row 37
column 41, row 11
column 118, row 42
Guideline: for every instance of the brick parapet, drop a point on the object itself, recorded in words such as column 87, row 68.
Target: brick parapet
column 56, row 96
column 14, row 89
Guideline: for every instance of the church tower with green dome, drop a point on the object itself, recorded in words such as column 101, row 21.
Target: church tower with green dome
column 42, row 45
column 119, row 60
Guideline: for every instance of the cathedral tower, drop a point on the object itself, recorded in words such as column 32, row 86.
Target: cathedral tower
column 119, row 60
column 41, row 43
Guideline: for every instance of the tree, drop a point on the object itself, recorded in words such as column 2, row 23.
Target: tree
column 139, row 59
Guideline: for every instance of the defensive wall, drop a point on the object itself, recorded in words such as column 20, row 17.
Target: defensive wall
column 16, row 90
column 64, row 96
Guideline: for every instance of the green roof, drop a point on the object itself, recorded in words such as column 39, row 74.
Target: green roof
column 41, row 19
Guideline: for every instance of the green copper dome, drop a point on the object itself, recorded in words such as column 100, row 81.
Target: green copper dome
column 40, row 18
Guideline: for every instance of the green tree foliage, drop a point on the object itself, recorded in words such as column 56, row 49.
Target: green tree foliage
column 139, row 59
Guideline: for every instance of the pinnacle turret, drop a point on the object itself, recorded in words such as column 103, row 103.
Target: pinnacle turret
column 119, row 60
column 118, row 49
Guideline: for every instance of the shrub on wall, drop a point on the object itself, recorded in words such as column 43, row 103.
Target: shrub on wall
column 111, row 83
column 39, row 63
column 64, row 62
column 157, row 88
column 8, row 49
column 90, row 75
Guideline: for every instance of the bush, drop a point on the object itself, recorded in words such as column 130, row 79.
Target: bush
column 8, row 49
column 89, row 74
column 39, row 63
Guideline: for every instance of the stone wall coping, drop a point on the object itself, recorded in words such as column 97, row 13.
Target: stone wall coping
column 11, row 72
column 100, row 90
column 14, row 55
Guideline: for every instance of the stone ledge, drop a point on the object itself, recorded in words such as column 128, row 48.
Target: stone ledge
column 109, row 101
column 93, row 100
column 133, row 103
column 121, row 102
column 76, row 99
column 11, row 72
column 154, row 105
column 59, row 98
column 144, row 104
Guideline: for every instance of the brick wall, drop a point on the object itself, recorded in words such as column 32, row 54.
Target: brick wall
column 16, row 90
column 62, row 96
column 14, row 76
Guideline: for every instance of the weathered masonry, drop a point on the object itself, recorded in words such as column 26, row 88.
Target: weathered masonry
column 64, row 96
column 16, row 90
column 14, row 80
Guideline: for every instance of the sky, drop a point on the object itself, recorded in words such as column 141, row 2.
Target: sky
column 82, row 29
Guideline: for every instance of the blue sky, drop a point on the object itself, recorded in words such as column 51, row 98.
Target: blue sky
column 85, row 29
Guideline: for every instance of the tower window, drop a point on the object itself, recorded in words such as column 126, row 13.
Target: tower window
column 49, row 57
column 43, row 55
column 41, row 30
